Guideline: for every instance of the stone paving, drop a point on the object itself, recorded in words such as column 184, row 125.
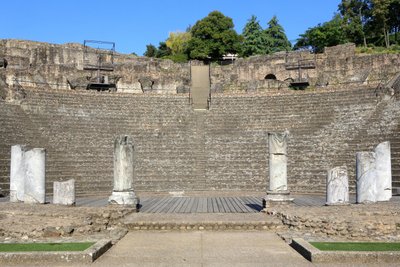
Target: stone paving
column 306, row 218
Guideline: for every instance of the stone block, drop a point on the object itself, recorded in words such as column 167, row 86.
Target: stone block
column 17, row 173
column 64, row 193
column 35, row 177
column 366, row 177
column 337, row 186
column 383, row 167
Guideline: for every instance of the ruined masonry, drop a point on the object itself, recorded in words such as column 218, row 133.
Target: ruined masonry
column 337, row 186
column 50, row 98
column 64, row 193
column 374, row 174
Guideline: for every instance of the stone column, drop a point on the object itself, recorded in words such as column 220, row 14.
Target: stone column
column 337, row 186
column 64, row 193
column 35, row 177
column 366, row 177
column 123, row 192
column 17, row 173
column 383, row 167
column 278, row 189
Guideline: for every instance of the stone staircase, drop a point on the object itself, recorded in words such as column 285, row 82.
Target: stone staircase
column 181, row 149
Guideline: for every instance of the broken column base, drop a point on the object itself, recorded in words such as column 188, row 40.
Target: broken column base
column 124, row 198
column 277, row 198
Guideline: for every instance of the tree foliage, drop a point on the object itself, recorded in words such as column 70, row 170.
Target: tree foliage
column 213, row 37
column 254, row 39
column 363, row 22
column 327, row 34
column 177, row 42
column 151, row 51
column 276, row 37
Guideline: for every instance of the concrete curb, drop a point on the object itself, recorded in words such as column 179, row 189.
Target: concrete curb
column 317, row 256
column 203, row 225
column 83, row 257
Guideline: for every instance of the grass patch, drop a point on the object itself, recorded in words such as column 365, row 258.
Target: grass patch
column 30, row 247
column 356, row 246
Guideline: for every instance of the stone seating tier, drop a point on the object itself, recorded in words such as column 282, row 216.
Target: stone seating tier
column 176, row 148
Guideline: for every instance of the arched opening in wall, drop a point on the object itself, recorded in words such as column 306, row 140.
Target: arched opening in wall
column 3, row 63
column 270, row 77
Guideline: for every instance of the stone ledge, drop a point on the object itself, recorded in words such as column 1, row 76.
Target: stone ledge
column 317, row 256
column 79, row 257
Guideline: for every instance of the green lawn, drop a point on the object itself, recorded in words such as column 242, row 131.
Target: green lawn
column 27, row 247
column 356, row 246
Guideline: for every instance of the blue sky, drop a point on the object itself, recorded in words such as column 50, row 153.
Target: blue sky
column 133, row 24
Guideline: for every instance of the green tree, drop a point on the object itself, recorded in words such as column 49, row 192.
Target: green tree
column 254, row 40
column 163, row 50
column 213, row 37
column 151, row 51
column 276, row 37
column 355, row 15
column 177, row 42
column 380, row 17
column 394, row 20
column 327, row 34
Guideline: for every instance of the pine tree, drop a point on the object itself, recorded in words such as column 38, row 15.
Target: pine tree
column 254, row 42
column 276, row 37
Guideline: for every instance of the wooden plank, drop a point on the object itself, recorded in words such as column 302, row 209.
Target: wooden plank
column 151, row 204
column 223, row 204
column 234, row 205
column 203, row 206
column 239, row 205
column 169, row 205
column 254, row 203
column 148, row 204
column 230, row 205
column 227, row 205
column 215, row 205
column 155, row 204
column 175, row 205
column 210, row 208
column 189, row 205
column 183, row 201
column 162, row 204
column 200, row 204
column 195, row 205
column 245, row 203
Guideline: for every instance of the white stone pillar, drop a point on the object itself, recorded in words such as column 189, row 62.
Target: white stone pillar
column 278, row 188
column 64, row 193
column 35, row 176
column 123, row 192
column 366, row 177
column 277, row 162
column 383, row 167
column 17, row 173
column 337, row 186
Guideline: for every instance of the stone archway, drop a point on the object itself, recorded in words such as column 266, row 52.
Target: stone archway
column 270, row 77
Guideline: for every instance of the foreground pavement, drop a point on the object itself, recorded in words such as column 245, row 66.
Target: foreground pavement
column 201, row 248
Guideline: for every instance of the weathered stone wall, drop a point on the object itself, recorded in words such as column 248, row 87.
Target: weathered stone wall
column 53, row 66
column 337, row 67
column 62, row 67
